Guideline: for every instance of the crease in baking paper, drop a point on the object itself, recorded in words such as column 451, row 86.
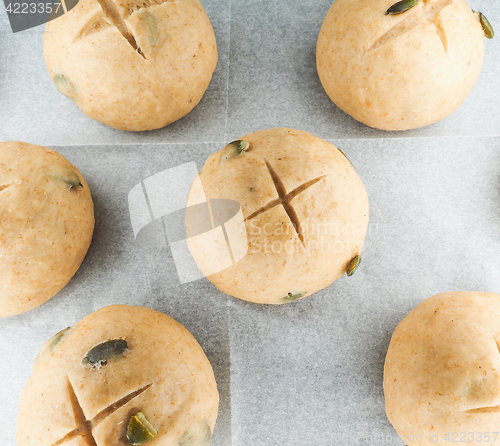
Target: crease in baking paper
column 159, row 212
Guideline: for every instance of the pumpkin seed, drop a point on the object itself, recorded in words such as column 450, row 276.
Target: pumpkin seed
column 68, row 176
column 205, row 441
column 290, row 297
column 234, row 149
column 352, row 266
column 198, row 437
column 102, row 353
column 402, row 6
column 486, row 25
column 49, row 346
column 140, row 430
column 64, row 85
column 187, row 439
column 57, row 338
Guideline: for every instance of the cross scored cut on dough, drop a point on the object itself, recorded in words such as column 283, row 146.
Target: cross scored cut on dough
column 65, row 8
column 4, row 186
column 285, row 200
column 494, row 409
column 487, row 409
column 115, row 13
column 84, row 426
column 429, row 13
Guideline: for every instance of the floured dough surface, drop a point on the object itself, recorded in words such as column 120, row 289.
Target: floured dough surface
column 280, row 252
column 46, row 225
column 132, row 65
column 152, row 365
column 442, row 371
column 399, row 72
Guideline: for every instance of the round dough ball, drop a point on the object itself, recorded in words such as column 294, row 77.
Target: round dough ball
column 399, row 72
column 303, row 218
column 47, row 221
column 120, row 375
column 133, row 65
column 442, row 371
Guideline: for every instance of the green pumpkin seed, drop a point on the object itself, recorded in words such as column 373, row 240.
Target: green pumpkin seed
column 402, row 6
column 198, row 437
column 64, row 85
column 234, row 149
column 49, row 346
column 57, row 338
column 290, row 297
column 68, row 176
column 207, row 437
column 352, row 266
column 187, row 439
column 486, row 25
column 102, row 353
column 140, row 430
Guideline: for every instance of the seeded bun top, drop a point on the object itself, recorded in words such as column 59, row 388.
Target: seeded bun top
column 399, row 65
column 304, row 216
column 132, row 65
column 132, row 373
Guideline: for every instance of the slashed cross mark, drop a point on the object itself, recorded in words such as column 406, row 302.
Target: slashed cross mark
column 285, row 199
column 487, row 409
column 4, row 186
column 113, row 15
column 494, row 409
column 84, row 427
column 429, row 13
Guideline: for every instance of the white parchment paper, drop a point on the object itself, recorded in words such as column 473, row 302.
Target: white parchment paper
column 266, row 77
